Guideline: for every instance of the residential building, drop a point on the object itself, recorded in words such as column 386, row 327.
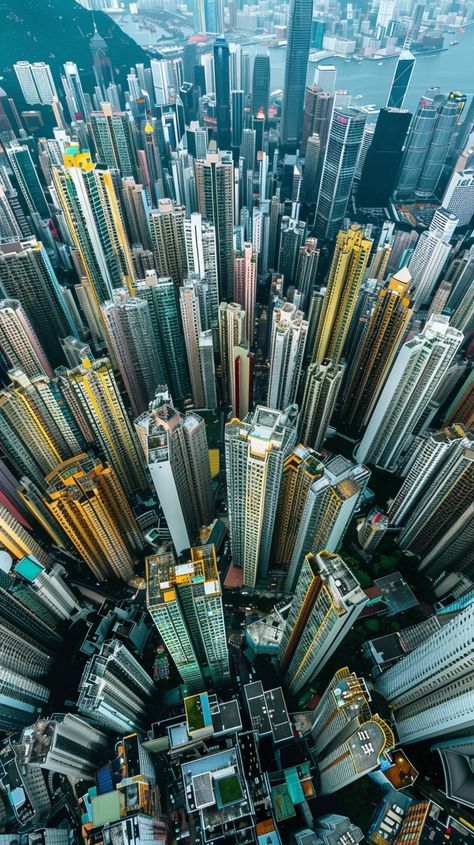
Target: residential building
column 214, row 191
column 96, row 389
column 349, row 741
column 256, row 449
column 36, row 83
column 306, row 271
column 287, row 346
column 115, row 691
column 19, row 345
column 379, row 345
column 66, row 745
column 168, row 240
column 27, row 179
column 327, row 600
column 89, row 503
column 321, row 389
column 201, row 255
column 242, row 381
column 185, row 603
column 430, row 256
column 195, row 317
column 130, row 332
column 416, row 373
column 113, row 139
column 430, row 689
column 349, row 262
column 245, row 285
column 176, row 452
column 232, row 334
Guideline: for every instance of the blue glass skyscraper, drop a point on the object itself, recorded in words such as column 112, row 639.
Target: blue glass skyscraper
column 297, row 54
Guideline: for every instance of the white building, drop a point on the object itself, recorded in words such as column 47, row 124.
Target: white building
column 418, row 370
column 287, row 347
column 459, row 194
column 67, row 745
column 430, row 689
column 36, row 82
column 430, row 255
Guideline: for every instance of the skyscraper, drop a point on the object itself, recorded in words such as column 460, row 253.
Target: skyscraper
column 232, row 333
column 296, row 63
column 168, row 243
column 36, row 82
column 292, row 238
column 195, row 318
column 326, row 603
column 416, row 373
column 306, row 272
column 114, row 141
column 430, row 255
column 256, row 449
column 115, row 692
column 31, row 191
column 185, row 603
column 340, row 162
column 458, row 197
column 383, row 158
column 418, row 142
column 321, row 390
column 312, row 165
column 88, row 501
column 401, row 80
column 201, row 255
column 330, row 504
column 222, row 81
column 318, row 107
column 430, row 689
column 131, row 339
column 351, row 254
column 176, row 452
column 77, row 104
column 349, row 741
column 261, row 84
column 214, row 191
column 384, row 332
column 67, row 745
column 449, row 113
column 102, row 63
column 19, row 344
column 95, row 386
column 287, row 346
column 245, row 285
column 161, row 296
column 242, row 385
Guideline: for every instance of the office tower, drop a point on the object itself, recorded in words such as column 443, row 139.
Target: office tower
column 292, row 238
column 185, row 603
column 242, row 384
column 222, row 82
column 201, row 255
column 326, row 603
column 287, row 346
column 38, row 426
column 214, row 192
column 36, row 82
column 176, row 452
column 211, row 17
column 132, row 344
column 417, row 143
column 232, row 333
column 89, row 503
column 416, row 373
column 449, row 112
column 340, row 162
column 101, row 61
column 48, row 586
column 430, row 689
column 94, row 221
column 237, row 117
column 297, row 52
column 380, row 342
column 383, row 158
column 309, row 185
column 300, row 469
column 349, row 741
column 330, row 505
column 195, row 319
column 115, row 692
column 73, row 90
column 430, row 255
column 401, row 80
column 245, row 285
column 19, row 344
column 256, row 449
column 458, row 197
column 321, row 388
column 96, row 389
column 67, row 745
column 261, row 84
column 161, row 296
column 306, row 271
column 167, row 236
column 369, row 130
column 349, row 262
column 26, row 176
column 318, row 107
